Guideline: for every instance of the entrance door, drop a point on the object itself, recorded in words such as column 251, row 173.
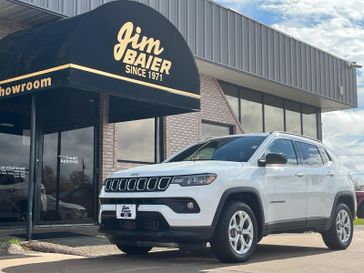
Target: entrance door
column 67, row 190
column 67, row 186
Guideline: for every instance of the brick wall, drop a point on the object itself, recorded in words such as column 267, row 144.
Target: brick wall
column 180, row 130
column 109, row 143
column 183, row 130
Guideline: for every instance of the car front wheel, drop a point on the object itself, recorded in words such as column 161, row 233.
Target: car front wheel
column 340, row 234
column 236, row 234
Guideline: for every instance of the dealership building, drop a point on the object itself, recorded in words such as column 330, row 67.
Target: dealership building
column 88, row 87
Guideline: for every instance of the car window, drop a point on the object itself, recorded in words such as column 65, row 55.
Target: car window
column 285, row 148
column 325, row 156
column 238, row 149
column 310, row 154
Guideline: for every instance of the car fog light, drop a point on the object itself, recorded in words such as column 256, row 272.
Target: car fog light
column 190, row 205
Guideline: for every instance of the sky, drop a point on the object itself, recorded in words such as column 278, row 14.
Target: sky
column 336, row 26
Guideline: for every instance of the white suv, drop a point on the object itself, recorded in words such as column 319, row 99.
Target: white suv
column 231, row 191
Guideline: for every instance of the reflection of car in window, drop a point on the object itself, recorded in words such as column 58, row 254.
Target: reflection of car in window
column 81, row 196
column 66, row 211
column 13, row 196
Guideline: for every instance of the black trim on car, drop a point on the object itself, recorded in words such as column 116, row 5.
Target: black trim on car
column 178, row 205
column 150, row 227
column 297, row 225
column 340, row 194
column 237, row 190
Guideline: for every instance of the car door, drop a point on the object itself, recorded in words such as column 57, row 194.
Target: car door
column 320, row 173
column 285, row 188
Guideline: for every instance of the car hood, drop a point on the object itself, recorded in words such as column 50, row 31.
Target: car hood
column 178, row 168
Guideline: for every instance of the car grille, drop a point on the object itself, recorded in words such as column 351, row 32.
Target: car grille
column 144, row 184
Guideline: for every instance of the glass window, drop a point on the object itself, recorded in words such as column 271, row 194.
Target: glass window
column 67, row 185
column 293, row 117
column 285, row 148
column 310, row 154
column 215, row 130
column 136, row 140
column 309, row 121
column 251, row 111
column 14, row 166
column 273, row 114
column 232, row 96
column 238, row 149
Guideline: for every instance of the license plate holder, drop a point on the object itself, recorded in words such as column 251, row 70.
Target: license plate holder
column 126, row 211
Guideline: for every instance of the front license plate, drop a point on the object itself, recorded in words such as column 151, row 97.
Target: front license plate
column 125, row 211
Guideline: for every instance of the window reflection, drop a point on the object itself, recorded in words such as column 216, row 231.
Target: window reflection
column 309, row 121
column 67, row 185
column 285, row 148
column 14, row 167
column 231, row 93
column 309, row 153
column 293, row 117
column 299, row 117
column 214, row 130
column 251, row 111
column 273, row 114
column 136, row 140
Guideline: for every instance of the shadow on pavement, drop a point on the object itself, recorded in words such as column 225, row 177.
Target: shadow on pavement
column 161, row 261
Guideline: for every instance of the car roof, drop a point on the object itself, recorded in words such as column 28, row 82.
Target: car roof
column 277, row 133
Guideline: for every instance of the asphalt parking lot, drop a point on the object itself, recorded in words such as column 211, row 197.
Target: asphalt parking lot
column 279, row 253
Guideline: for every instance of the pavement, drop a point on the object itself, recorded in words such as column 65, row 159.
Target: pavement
column 276, row 253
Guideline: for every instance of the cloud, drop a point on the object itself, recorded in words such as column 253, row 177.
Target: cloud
column 337, row 27
column 344, row 133
column 236, row 5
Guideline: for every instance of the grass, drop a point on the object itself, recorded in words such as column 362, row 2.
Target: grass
column 12, row 241
column 359, row 221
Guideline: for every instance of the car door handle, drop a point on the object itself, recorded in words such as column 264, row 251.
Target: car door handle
column 331, row 174
column 300, row 174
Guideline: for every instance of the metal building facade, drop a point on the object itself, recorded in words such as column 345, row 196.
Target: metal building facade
column 224, row 37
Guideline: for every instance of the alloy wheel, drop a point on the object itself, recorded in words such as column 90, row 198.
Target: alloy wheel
column 241, row 232
column 343, row 226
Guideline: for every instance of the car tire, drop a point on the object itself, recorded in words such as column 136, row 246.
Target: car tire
column 340, row 234
column 134, row 250
column 236, row 234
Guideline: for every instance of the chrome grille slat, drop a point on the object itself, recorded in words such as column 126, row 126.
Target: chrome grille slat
column 114, row 184
column 164, row 183
column 152, row 183
column 142, row 184
column 132, row 184
column 122, row 184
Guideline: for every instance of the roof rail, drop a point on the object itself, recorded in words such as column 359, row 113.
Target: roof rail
column 293, row 134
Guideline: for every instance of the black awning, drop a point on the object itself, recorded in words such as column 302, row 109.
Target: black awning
column 122, row 48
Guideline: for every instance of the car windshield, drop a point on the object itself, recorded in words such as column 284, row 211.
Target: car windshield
column 238, row 149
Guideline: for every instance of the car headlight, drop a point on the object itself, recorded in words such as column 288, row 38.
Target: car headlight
column 194, row 180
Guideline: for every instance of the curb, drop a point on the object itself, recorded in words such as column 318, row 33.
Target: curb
column 53, row 248
column 11, row 249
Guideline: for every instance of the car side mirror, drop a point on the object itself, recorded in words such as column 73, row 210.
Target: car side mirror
column 271, row 159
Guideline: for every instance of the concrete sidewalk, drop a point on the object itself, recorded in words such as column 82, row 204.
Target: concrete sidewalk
column 278, row 253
